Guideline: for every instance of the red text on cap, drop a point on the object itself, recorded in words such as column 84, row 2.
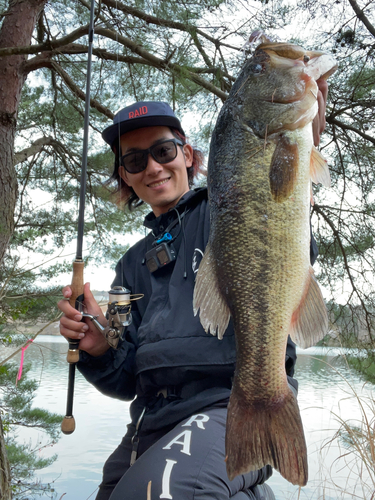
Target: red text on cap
column 138, row 112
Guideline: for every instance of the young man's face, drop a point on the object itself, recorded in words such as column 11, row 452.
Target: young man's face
column 159, row 185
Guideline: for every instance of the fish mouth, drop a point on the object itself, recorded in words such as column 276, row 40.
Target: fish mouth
column 316, row 64
column 306, row 66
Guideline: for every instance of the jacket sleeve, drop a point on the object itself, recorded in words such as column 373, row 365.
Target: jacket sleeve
column 113, row 374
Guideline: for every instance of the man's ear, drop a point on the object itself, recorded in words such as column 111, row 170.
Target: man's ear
column 188, row 153
column 122, row 174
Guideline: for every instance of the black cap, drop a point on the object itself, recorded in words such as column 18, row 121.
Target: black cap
column 138, row 115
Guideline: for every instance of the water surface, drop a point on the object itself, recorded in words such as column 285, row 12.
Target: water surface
column 324, row 396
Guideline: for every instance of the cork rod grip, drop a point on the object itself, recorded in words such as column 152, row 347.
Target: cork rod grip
column 77, row 281
column 77, row 291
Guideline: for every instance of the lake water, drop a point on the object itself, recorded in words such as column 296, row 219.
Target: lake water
column 327, row 387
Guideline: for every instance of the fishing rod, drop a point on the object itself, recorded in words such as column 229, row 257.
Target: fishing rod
column 119, row 303
column 76, row 300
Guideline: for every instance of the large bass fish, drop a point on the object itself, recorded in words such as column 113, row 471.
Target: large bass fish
column 256, row 267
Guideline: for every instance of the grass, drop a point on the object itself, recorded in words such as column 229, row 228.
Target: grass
column 352, row 473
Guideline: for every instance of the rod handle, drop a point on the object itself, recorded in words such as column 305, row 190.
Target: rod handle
column 75, row 301
column 68, row 424
column 77, row 282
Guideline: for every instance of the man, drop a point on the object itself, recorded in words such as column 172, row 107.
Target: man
column 179, row 376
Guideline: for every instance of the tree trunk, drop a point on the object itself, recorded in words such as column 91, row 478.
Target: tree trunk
column 5, row 492
column 17, row 29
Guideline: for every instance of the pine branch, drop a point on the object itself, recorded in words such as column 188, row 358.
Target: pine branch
column 194, row 36
column 32, row 150
column 126, row 9
column 162, row 63
column 57, row 318
column 335, row 232
column 345, row 126
column 76, row 48
column 78, row 92
column 46, row 46
column 361, row 16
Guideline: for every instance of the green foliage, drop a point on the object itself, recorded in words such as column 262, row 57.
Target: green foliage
column 23, row 302
column 17, row 412
column 364, row 364
column 24, row 463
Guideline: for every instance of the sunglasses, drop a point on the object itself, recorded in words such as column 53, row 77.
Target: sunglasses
column 163, row 152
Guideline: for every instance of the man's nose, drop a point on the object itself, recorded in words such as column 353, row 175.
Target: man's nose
column 152, row 165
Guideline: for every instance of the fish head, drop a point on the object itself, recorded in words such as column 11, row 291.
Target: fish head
column 277, row 87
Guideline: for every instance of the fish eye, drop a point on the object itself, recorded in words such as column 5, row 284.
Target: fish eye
column 256, row 68
column 306, row 59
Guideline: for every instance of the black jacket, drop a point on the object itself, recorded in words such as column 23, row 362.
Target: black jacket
column 166, row 346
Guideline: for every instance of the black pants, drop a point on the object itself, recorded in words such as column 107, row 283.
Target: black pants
column 186, row 463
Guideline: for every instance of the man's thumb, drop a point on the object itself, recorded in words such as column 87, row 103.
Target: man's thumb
column 89, row 297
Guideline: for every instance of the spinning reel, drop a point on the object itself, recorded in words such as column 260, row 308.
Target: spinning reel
column 118, row 315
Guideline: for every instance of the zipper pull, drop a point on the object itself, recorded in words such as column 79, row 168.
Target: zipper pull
column 135, row 438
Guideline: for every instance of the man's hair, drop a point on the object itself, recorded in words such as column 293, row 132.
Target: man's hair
column 124, row 195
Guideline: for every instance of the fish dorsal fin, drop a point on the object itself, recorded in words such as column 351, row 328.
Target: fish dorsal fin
column 310, row 319
column 284, row 169
column 319, row 168
column 213, row 311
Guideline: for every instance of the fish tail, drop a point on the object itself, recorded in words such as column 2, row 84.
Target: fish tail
column 260, row 434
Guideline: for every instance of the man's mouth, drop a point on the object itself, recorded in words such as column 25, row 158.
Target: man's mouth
column 158, row 183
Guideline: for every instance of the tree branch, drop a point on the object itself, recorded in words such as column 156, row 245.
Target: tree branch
column 345, row 126
column 78, row 92
column 35, row 148
column 126, row 9
column 76, row 48
column 317, row 209
column 361, row 16
column 161, row 63
column 46, row 46
column 33, row 337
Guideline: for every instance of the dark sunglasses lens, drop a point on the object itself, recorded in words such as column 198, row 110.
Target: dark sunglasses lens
column 165, row 152
column 135, row 162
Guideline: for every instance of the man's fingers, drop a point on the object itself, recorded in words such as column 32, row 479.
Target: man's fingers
column 323, row 87
column 67, row 309
column 72, row 329
column 67, row 292
column 319, row 122
column 321, row 112
column 316, row 130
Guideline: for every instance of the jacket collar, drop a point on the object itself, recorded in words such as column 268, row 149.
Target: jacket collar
column 158, row 224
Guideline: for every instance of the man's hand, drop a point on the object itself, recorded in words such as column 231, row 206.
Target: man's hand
column 319, row 122
column 71, row 326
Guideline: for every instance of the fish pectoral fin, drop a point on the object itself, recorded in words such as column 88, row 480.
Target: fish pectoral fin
column 214, row 313
column 283, row 169
column 310, row 319
column 319, row 168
